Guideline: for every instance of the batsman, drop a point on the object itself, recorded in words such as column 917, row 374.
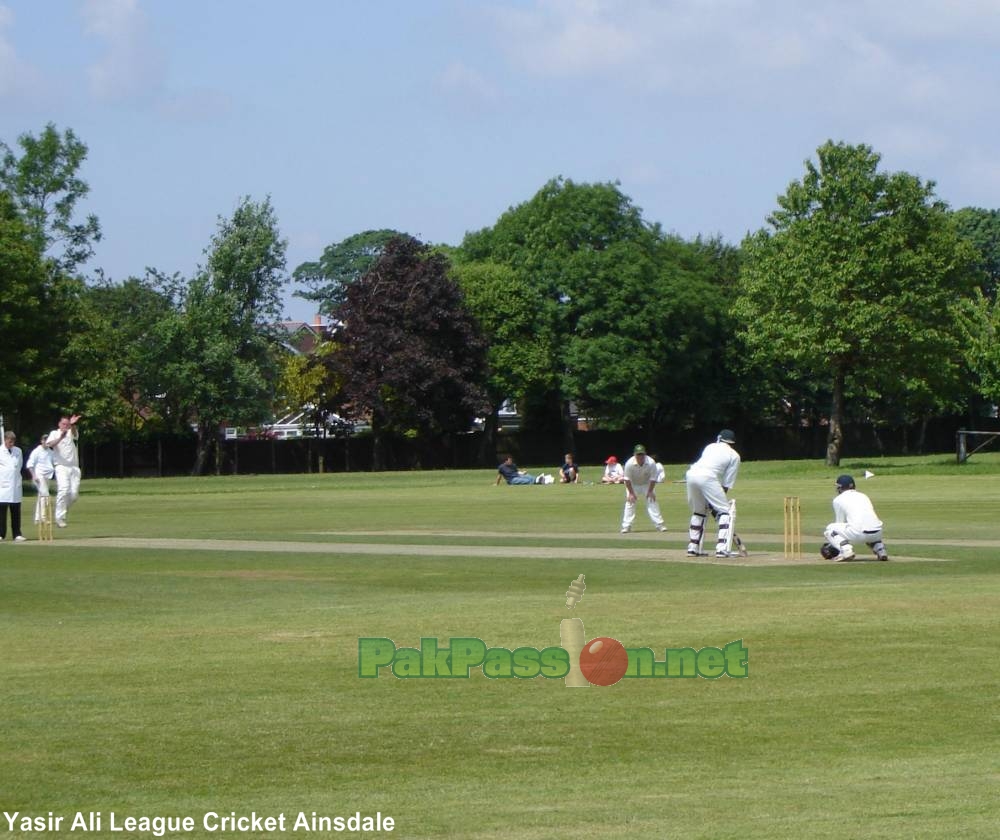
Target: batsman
column 708, row 481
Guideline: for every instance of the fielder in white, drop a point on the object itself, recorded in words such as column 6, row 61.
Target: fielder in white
column 62, row 442
column 42, row 470
column 640, row 472
column 708, row 480
column 856, row 522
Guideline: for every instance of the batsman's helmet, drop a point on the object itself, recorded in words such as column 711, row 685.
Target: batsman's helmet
column 828, row 551
column 727, row 436
column 845, row 482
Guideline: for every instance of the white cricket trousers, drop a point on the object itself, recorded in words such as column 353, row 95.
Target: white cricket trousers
column 705, row 495
column 652, row 508
column 67, row 490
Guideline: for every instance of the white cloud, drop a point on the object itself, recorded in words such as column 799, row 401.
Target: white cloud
column 132, row 67
column 18, row 78
column 466, row 82
column 564, row 37
column 8, row 55
column 849, row 60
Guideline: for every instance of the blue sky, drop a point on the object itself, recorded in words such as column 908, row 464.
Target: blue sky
column 434, row 117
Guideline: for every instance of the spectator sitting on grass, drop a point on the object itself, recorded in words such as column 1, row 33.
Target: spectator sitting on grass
column 614, row 473
column 569, row 472
column 509, row 472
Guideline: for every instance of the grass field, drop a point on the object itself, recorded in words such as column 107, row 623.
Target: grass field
column 190, row 646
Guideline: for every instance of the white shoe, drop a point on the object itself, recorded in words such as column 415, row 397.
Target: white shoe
column 722, row 554
column 61, row 523
column 19, row 538
column 661, row 527
column 843, row 558
column 626, row 530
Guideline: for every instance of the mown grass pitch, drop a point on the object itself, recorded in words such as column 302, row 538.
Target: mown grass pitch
column 186, row 680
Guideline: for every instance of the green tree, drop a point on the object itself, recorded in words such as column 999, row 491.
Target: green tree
column 46, row 188
column 307, row 382
column 114, row 354
column 341, row 264
column 409, row 355
column 982, row 344
column 521, row 349
column 218, row 359
column 632, row 324
column 34, row 320
column 574, row 243
column 982, row 228
column 857, row 282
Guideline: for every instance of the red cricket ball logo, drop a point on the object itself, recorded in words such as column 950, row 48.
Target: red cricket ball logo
column 603, row 661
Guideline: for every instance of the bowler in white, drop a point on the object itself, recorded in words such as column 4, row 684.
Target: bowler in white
column 62, row 442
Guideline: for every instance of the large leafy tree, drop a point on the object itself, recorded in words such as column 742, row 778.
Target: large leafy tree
column 410, row 355
column 574, row 243
column 982, row 228
column 521, row 348
column 218, row 351
column 45, row 185
column 631, row 320
column 35, row 310
column 982, row 332
column 114, row 354
column 341, row 264
column 307, row 382
column 649, row 346
column 857, row 283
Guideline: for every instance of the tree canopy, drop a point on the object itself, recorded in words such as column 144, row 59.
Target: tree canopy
column 31, row 304
column 856, row 282
column 409, row 355
column 629, row 319
column 342, row 263
column 218, row 362
column 863, row 300
column 45, row 186
column 982, row 228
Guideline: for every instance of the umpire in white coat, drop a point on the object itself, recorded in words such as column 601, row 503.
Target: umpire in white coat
column 11, row 463
column 708, row 480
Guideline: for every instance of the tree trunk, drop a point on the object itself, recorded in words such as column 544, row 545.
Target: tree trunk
column 922, row 435
column 378, row 443
column 488, row 442
column 201, row 450
column 835, row 438
column 568, row 428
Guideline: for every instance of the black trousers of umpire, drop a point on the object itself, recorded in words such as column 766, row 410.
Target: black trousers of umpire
column 15, row 519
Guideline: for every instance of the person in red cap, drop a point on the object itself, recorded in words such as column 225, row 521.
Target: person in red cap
column 614, row 473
